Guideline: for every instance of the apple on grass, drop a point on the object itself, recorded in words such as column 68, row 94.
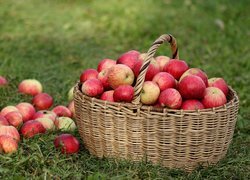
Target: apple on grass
column 3, row 81
column 170, row 98
column 213, row 97
column 92, row 87
column 45, row 114
column 219, row 83
column 71, row 94
column 164, row 80
column 14, row 118
column 32, row 128
column 192, row 87
column 65, row 124
column 103, row 77
column 123, row 93
column 61, row 110
column 176, row 68
column 3, row 121
column 162, row 61
column 197, row 72
column 105, row 64
column 47, row 123
column 149, row 93
column 129, row 58
column 120, row 74
column 30, row 86
column 27, row 110
column 88, row 74
column 67, row 143
column 8, row 109
column 192, row 104
column 8, row 144
column 42, row 101
column 10, row 131
column 108, row 96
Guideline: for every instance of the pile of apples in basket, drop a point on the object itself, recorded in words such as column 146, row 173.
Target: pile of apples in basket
column 168, row 83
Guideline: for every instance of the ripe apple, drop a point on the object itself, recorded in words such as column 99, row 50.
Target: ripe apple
column 42, row 101
column 164, row 80
column 8, row 109
column 88, row 74
column 15, row 118
column 27, row 110
column 192, row 87
column 10, row 131
column 8, row 144
column 103, row 77
column 170, row 98
column 3, row 81
column 45, row 114
column 176, row 67
column 32, row 128
column 30, row 86
column 67, row 143
column 62, row 111
column 71, row 94
column 150, row 93
column 3, row 121
column 129, row 58
column 152, row 70
column 213, row 97
column 108, row 96
column 71, row 107
column 162, row 61
column 219, row 83
column 92, row 87
column 47, row 123
column 142, row 56
column 65, row 124
column 123, row 93
column 192, row 104
column 196, row 72
column 120, row 74
column 105, row 64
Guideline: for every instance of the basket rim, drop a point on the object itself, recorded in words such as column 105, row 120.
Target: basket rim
column 232, row 102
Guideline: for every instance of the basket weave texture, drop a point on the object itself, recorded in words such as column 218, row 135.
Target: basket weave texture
column 172, row 138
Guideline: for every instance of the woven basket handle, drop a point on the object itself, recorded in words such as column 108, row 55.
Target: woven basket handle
column 149, row 56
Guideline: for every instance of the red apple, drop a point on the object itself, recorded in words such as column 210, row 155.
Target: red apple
column 152, row 70
column 120, row 74
column 15, row 118
column 45, row 114
column 8, row 109
column 219, row 83
column 213, row 97
column 88, row 74
column 27, row 110
column 42, row 101
column 62, row 111
column 67, row 143
column 92, row 87
column 142, row 56
column 129, row 58
column 47, row 123
column 176, row 68
column 32, row 128
column 71, row 94
column 3, row 81
column 162, row 61
column 65, row 124
column 196, row 72
column 8, row 144
column 108, row 96
column 105, row 64
column 150, row 93
column 3, row 121
column 170, row 98
column 10, row 131
column 103, row 77
column 192, row 87
column 192, row 104
column 30, row 86
column 164, row 80
column 123, row 93
column 71, row 107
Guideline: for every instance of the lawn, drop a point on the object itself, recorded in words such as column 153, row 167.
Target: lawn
column 54, row 41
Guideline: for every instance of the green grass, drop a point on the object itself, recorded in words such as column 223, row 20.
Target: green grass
column 53, row 41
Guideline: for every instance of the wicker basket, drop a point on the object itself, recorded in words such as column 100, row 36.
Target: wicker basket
column 171, row 138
